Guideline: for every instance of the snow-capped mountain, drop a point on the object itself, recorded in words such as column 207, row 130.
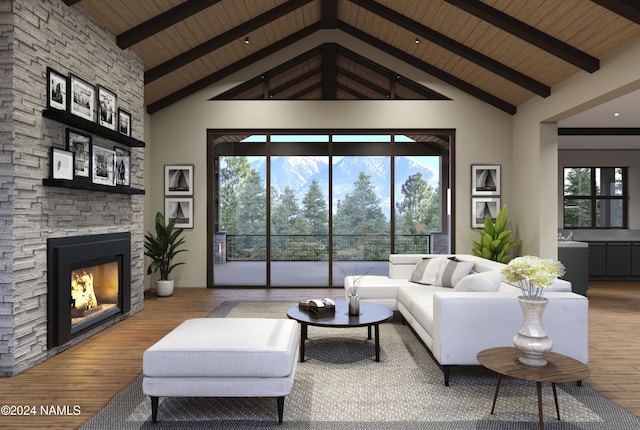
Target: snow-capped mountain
column 298, row 172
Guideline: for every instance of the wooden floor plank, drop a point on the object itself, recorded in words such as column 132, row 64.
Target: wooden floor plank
column 92, row 372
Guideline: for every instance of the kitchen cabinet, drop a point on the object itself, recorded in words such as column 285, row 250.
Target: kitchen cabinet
column 614, row 260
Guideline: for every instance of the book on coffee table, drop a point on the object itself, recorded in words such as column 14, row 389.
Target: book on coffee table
column 318, row 306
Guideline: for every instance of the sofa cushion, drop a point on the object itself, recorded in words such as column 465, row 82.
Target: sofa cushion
column 483, row 281
column 441, row 272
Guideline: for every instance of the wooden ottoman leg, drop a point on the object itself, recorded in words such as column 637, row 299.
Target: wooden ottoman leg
column 280, row 408
column 154, row 408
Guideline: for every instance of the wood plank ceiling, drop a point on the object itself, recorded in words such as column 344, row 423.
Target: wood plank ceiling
column 503, row 52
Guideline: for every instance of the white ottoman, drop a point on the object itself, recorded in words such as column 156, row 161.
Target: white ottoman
column 223, row 357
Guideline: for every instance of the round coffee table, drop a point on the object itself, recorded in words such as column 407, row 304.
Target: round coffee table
column 371, row 315
column 560, row 368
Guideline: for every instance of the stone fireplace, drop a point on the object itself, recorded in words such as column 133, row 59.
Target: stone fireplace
column 89, row 282
column 68, row 40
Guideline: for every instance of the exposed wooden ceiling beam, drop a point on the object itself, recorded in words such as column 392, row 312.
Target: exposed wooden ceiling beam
column 232, row 68
column 362, row 81
column 357, row 94
column 295, row 81
column 71, row 2
column 629, row 9
column 428, row 68
column 305, row 91
column 221, row 40
column 162, row 21
column 329, row 71
column 329, row 13
column 390, row 75
column 529, row 34
column 599, row 131
column 456, row 47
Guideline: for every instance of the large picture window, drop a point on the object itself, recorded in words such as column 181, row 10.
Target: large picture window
column 308, row 209
column 595, row 197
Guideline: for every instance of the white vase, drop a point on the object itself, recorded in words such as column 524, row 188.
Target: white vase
column 164, row 288
column 354, row 305
column 531, row 339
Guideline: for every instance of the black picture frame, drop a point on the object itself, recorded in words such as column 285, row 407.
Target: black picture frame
column 57, row 84
column 180, row 209
column 82, row 98
column 107, row 101
column 80, row 144
column 123, row 167
column 124, row 122
column 61, row 164
column 485, row 180
column 103, row 165
column 481, row 207
column 178, row 179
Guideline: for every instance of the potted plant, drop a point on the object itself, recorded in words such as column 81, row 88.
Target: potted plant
column 162, row 247
column 495, row 241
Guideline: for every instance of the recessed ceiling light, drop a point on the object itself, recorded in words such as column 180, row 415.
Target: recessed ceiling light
column 417, row 41
column 617, row 114
column 246, row 40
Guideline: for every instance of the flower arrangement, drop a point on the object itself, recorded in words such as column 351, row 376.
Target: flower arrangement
column 532, row 274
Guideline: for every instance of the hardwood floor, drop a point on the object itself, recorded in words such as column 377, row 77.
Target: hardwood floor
column 86, row 376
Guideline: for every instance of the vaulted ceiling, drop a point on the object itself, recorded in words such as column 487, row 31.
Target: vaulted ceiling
column 503, row 52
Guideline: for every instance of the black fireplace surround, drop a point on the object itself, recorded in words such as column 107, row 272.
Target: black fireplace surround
column 66, row 254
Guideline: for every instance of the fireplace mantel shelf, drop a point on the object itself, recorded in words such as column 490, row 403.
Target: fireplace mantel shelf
column 91, row 127
column 85, row 185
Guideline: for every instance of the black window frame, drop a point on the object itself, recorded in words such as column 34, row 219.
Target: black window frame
column 594, row 197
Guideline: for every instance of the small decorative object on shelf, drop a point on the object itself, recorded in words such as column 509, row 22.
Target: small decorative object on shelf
column 532, row 274
column 318, row 306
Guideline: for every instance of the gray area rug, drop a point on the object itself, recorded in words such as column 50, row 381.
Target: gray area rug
column 341, row 386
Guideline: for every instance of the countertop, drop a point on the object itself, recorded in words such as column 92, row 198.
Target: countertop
column 602, row 235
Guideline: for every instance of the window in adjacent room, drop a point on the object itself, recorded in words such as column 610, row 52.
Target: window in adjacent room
column 595, row 197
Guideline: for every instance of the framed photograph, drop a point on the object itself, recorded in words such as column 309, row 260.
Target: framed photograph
column 61, row 164
column 82, row 98
column 56, row 90
column 107, row 114
column 180, row 209
column 123, row 167
column 481, row 207
column 485, row 180
column 124, row 122
column 80, row 144
column 103, row 165
column 178, row 180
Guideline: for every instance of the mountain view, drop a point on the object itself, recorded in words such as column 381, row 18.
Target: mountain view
column 298, row 173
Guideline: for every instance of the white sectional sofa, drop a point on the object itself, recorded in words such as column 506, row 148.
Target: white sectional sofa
column 481, row 311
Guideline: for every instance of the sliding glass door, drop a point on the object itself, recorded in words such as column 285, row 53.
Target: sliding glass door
column 306, row 210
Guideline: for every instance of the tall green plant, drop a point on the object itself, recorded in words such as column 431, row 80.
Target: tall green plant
column 495, row 240
column 163, row 246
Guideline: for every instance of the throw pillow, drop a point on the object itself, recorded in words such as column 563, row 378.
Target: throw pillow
column 418, row 270
column 441, row 272
column 479, row 282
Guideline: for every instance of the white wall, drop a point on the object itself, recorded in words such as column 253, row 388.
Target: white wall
column 178, row 135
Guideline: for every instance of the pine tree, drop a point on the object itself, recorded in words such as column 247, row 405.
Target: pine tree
column 360, row 212
column 315, row 210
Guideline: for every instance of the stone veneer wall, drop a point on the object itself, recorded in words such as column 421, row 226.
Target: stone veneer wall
column 35, row 34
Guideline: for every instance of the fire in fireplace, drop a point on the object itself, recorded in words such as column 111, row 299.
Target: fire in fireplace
column 94, row 293
column 89, row 281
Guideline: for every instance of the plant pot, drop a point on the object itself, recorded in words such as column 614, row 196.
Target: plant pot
column 532, row 339
column 164, row 288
